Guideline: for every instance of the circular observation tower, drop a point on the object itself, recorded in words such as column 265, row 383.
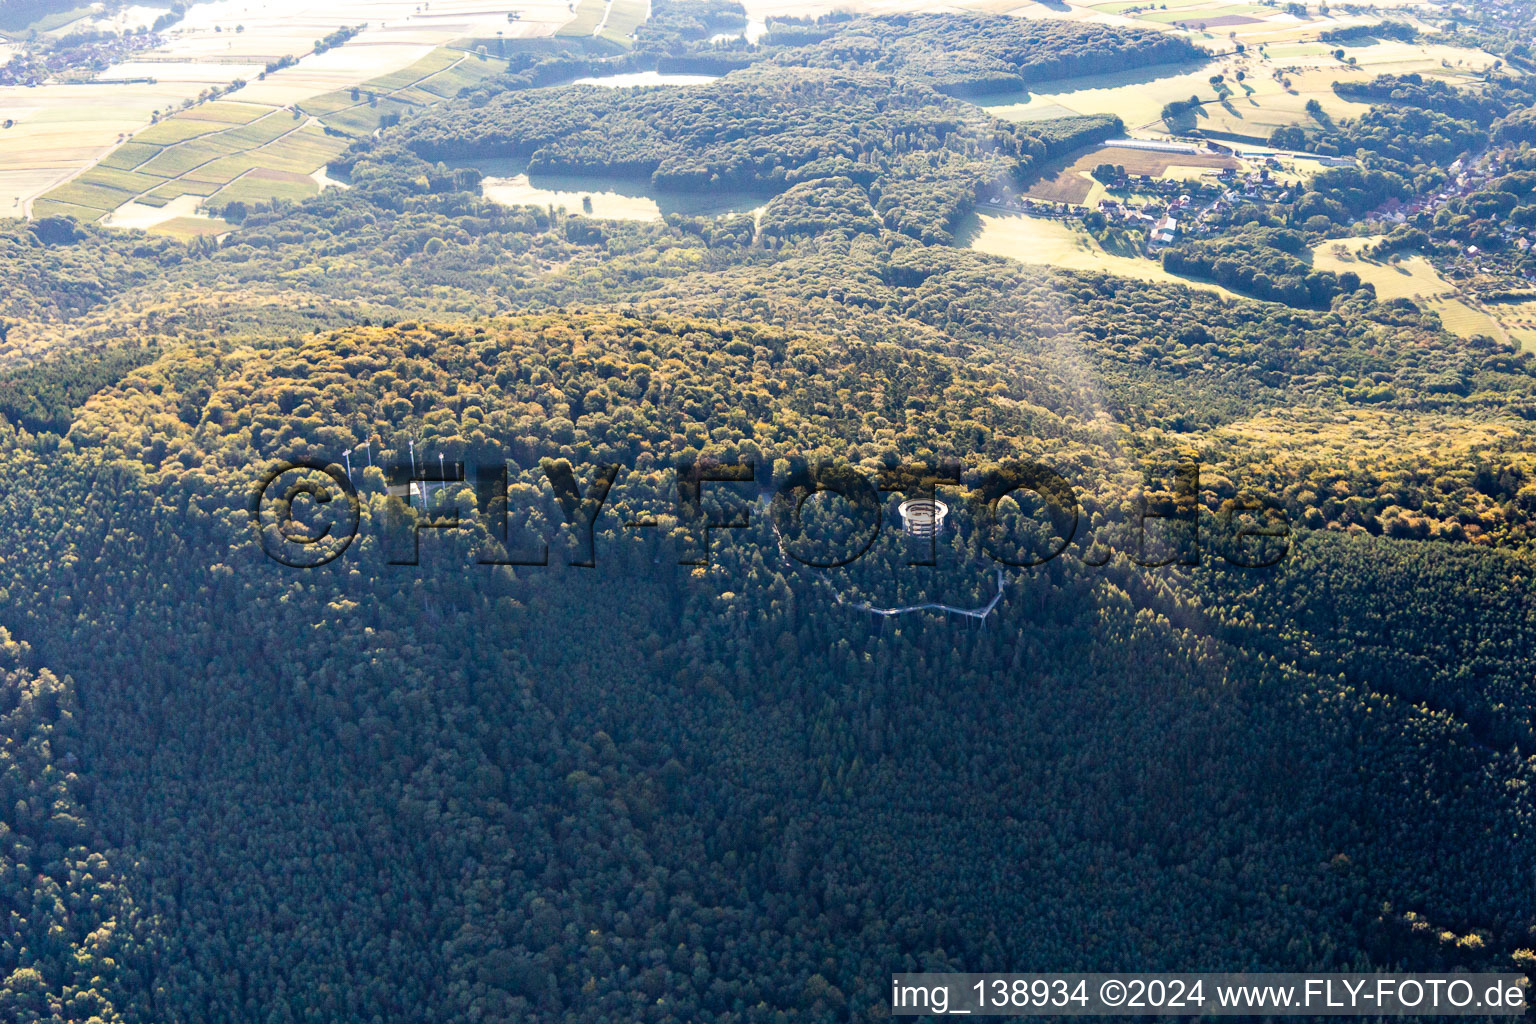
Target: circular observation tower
column 923, row 517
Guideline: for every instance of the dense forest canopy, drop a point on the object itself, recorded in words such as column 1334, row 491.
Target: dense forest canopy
column 923, row 157
column 591, row 754
column 524, row 769
column 968, row 54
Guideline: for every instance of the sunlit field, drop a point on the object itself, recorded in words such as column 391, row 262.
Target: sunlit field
column 62, row 129
column 601, row 203
column 1252, row 108
column 608, row 199
column 1071, row 180
column 1408, row 276
column 1466, row 320
column 231, row 150
column 1036, row 240
column 1519, row 321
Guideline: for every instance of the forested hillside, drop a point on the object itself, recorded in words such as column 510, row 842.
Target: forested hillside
column 923, row 157
column 968, row 54
column 776, row 775
column 957, row 53
column 599, row 752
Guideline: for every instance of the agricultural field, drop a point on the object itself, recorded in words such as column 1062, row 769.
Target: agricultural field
column 201, row 73
column 1412, row 277
column 61, row 130
column 1223, row 23
column 87, row 18
column 588, row 15
column 614, row 20
column 1263, row 102
column 188, row 228
column 272, row 29
column 54, row 208
column 1064, row 184
column 1036, row 240
column 1156, row 164
column 1518, row 320
column 439, row 75
column 146, row 215
column 265, row 183
column 1138, row 96
column 1409, row 277
column 231, row 150
column 1464, row 319
column 624, row 16
column 1208, row 16
column 203, row 165
column 610, row 199
column 52, row 22
column 1071, row 180
column 1252, row 108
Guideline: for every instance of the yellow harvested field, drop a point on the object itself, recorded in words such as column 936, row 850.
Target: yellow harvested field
column 61, row 130
column 198, row 73
column 612, row 200
column 16, row 184
column 273, row 28
column 624, row 16
column 188, row 228
column 1409, row 277
column 517, row 191
column 1412, row 277
column 258, row 151
column 1188, row 172
column 341, row 68
column 1261, row 103
column 137, row 215
column 1518, row 320
column 1136, row 97
column 1463, row 320
column 1147, row 161
column 1054, row 243
column 585, row 18
column 1074, row 183
column 1254, row 107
